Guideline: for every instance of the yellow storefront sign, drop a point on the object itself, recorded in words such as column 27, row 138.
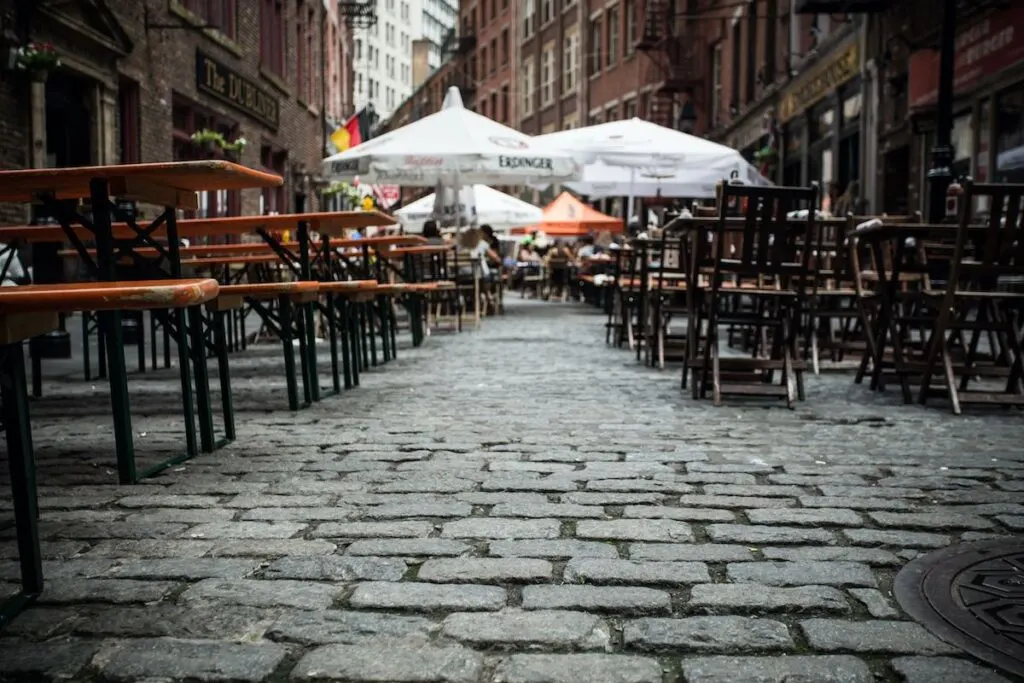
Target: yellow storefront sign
column 822, row 79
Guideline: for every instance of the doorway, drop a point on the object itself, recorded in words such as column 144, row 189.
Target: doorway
column 69, row 121
column 896, row 182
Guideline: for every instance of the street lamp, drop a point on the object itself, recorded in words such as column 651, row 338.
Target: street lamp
column 687, row 120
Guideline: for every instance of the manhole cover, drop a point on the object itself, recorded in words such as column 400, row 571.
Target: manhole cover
column 971, row 595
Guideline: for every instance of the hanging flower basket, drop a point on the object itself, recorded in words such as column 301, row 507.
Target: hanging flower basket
column 233, row 150
column 767, row 155
column 37, row 59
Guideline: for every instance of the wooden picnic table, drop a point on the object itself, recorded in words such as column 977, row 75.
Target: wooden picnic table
column 34, row 309
column 172, row 185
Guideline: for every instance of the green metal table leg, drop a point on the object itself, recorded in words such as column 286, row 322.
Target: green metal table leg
column 333, row 331
column 14, row 396
column 301, row 333
column 202, row 375
column 358, row 351
column 220, row 321
column 314, row 372
column 285, row 305
column 185, row 371
column 344, row 322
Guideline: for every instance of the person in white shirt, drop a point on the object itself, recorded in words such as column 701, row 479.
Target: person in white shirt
column 15, row 273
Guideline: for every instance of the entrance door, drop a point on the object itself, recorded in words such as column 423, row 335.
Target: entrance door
column 69, row 133
column 895, row 199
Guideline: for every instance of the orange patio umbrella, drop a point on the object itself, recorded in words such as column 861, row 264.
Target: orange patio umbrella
column 567, row 216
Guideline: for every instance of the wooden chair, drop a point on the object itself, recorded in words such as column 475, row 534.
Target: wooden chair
column 983, row 294
column 28, row 311
column 769, row 266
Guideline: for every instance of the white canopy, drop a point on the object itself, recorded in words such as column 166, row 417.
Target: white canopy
column 638, row 143
column 601, row 180
column 480, row 205
column 453, row 146
column 635, row 157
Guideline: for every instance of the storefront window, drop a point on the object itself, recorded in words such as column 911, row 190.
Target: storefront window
column 963, row 145
column 822, row 122
column 851, row 108
column 792, row 171
column 1009, row 130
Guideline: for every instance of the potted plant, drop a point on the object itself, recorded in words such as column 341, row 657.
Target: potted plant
column 38, row 59
column 233, row 150
column 209, row 140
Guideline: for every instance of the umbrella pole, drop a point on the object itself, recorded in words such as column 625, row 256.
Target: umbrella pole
column 629, row 199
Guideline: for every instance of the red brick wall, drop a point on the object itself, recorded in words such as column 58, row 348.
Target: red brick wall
column 163, row 63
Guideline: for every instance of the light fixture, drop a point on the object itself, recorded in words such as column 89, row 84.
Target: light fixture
column 687, row 118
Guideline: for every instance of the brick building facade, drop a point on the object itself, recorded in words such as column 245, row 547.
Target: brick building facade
column 138, row 77
column 988, row 125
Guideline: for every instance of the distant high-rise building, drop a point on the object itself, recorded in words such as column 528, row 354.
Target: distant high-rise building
column 439, row 17
column 383, row 56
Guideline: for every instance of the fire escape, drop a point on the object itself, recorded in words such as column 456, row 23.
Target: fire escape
column 675, row 57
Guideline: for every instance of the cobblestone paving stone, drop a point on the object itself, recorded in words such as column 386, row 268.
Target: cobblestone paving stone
column 518, row 504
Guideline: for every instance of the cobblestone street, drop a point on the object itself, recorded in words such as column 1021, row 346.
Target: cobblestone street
column 519, row 504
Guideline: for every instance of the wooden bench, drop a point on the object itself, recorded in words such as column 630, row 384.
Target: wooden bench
column 31, row 310
column 289, row 326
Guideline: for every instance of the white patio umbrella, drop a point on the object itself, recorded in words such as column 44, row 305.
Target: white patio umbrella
column 479, row 204
column 637, row 147
column 601, row 180
column 453, row 146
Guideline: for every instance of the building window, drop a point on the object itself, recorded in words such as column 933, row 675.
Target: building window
column 494, row 9
column 272, row 201
column 594, row 119
column 272, row 36
column 186, row 119
column 737, row 54
column 529, row 10
column 483, row 64
column 612, row 20
column 217, row 14
column 547, row 11
column 611, row 114
column 751, row 47
column 494, row 55
column 629, row 109
column 596, row 40
column 570, row 62
column 504, row 105
column 547, row 76
column 311, row 58
column 527, row 87
column 128, row 121
column 504, row 47
column 716, row 85
column 629, row 9
column 494, row 105
column 301, row 57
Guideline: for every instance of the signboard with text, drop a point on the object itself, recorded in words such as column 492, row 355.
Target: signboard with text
column 227, row 85
column 982, row 49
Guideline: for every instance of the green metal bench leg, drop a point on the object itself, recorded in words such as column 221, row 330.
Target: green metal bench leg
column 220, row 321
column 185, row 370
column 333, row 331
column 299, row 315
column 358, row 353
column 370, row 332
column 344, row 322
column 14, row 396
column 385, row 335
column 117, row 376
column 202, row 375
column 289, row 352
column 393, row 328
column 314, row 373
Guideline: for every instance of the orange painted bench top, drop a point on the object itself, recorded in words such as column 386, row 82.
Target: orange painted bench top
column 199, row 249
column 240, row 259
column 346, row 286
column 380, row 241
column 215, row 227
column 106, row 296
column 157, row 183
column 260, row 290
column 425, row 249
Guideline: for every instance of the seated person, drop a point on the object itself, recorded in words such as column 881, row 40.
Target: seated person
column 559, row 261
